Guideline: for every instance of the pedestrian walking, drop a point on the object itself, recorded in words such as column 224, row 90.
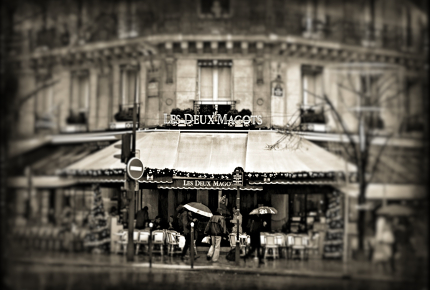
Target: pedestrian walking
column 142, row 217
column 216, row 228
column 187, row 218
column 256, row 225
column 385, row 244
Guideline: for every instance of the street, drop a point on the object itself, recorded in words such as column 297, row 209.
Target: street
column 23, row 277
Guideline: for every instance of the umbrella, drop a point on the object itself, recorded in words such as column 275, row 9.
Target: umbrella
column 264, row 210
column 199, row 208
column 396, row 210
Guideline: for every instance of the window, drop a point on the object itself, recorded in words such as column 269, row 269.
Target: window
column 311, row 85
column 214, row 8
column 215, row 79
column 315, row 16
column 44, row 98
column 127, row 21
column 128, row 86
column 80, row 92
column 370, row 89
column 414, row 113
column 104, row 101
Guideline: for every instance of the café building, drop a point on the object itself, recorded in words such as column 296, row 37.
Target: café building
column 281, row 170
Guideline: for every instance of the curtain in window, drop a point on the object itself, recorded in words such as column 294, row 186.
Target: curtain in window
column 103, row 101
column 83, row 92
column 206, row 83
column 224, row 83
column 80, row 92
column 129, row 86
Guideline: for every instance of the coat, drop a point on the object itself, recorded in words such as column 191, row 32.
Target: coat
column 141, row 219
column 216, row 226
column 255, row 228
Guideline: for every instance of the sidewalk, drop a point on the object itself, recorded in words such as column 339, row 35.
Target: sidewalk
column 407, row 271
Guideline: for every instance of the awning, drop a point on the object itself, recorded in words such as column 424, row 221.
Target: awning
column 293, row 160
column 40, row 182
column 387, row 191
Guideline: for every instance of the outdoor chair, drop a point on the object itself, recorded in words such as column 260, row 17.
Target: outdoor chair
column 271, row 248
column 242, row 243
column 181, row 242
column 143, row 240
column 280, row 240
column 173, row 243
column 290, row 243
column 122, row 242
column 263, row 239
column 158, row 242
column 55, row 239
column 313, row 247
column 299, row 247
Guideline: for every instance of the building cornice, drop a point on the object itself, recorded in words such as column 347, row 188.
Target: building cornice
column 285, row 46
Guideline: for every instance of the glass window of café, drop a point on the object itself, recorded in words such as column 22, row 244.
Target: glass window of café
column 305, row 209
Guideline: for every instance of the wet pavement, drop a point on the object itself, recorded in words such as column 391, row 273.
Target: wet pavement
column 41, row 277
column 407, row 270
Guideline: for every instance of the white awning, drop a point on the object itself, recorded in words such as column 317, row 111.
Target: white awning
column 387, row 191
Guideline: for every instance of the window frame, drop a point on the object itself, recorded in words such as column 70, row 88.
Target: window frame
column 214, row 64
column 76, row 77
column 123, row 81
column 210, row 15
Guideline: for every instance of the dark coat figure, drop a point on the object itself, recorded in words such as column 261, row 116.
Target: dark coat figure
column 187, row 218
column 142, row 218
column 256, row 225
column 159, row 224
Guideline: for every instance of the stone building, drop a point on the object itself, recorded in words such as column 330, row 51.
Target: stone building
column 88, row 61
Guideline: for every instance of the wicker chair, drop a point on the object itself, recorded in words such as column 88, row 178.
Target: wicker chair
column 271, row 248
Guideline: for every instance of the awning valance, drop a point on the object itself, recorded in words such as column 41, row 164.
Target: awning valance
column 172, row 154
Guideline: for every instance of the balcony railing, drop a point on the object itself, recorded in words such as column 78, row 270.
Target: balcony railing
column 125, row 113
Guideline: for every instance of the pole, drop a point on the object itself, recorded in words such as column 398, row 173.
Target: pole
column 130, row 245
column 150, row 244
column 237, row 256
column 132, row 191
column 192, row 245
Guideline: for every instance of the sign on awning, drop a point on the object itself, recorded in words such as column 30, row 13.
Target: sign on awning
column 206, row 184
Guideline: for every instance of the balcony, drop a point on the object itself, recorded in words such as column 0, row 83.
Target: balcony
column 76, row 122
column 312, row 119
column 124, row 118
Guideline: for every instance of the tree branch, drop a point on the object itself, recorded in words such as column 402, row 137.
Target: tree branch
column 378, row 157
column 340, row 121
column 25, row 98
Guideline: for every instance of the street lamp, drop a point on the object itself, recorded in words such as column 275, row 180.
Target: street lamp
column 192, row 245
column 150, row 244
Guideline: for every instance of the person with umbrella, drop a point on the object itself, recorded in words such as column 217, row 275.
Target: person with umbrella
column 385, row 241
column 256, row 225
column 216, row 228
column 187, row 218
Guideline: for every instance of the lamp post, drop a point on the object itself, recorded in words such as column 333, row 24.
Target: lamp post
column 237, row 256
column 150, row 244
column 192, row 245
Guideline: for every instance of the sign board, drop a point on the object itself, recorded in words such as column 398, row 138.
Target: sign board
column 206, row 184
column 238, row 177
column 135, row 168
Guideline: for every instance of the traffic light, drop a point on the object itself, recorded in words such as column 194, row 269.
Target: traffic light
column 125, row 146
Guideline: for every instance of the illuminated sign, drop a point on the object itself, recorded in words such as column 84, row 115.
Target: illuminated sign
column 212, row 119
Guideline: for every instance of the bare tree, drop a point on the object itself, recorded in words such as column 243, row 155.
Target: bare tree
column 372, row 90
